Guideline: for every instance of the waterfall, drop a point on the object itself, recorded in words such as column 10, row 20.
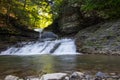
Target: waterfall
column 40, row 32
column 53, row 47
column 56, row 47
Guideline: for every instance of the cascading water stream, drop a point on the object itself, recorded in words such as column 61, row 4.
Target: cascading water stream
column 54, row 47
column 40, row 32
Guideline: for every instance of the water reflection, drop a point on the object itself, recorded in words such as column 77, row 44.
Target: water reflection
column 48, row 63
column 34, row 65
column 44, row 63
column 99, row 63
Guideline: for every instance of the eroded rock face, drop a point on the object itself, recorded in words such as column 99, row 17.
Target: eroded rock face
column 69, row 21
column 102, row 38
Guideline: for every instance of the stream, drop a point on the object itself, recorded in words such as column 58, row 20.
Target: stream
column 38, row 57
column 34, row 65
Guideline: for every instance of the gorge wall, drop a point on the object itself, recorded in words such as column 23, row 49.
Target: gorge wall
column 103, row 38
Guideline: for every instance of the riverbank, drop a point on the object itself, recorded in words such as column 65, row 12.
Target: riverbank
column 69, row 75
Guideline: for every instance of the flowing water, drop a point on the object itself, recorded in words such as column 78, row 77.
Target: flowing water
column 56, row 47
column 37, row 57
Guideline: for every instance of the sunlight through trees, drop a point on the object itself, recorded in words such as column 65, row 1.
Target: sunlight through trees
column 34, row 13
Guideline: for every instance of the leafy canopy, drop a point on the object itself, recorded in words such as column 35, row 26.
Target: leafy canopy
column 35, row 13
column 103, row 8
column 41, row 13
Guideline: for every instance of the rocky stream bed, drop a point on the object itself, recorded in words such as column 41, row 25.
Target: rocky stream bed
column 69, row 75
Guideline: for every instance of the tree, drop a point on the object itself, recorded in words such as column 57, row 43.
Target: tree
column 107, row 9
column 34, row 13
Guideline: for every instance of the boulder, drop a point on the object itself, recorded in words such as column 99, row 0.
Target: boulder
column 32, row 78
column 50, row 35
column 11, row 77
column 53, row 76
column 77, row 75
column 100, row 74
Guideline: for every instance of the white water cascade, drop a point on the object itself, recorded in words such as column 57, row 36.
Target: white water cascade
column 56, row 47
column 53, row 47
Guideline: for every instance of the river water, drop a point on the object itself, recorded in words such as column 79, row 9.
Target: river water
column 34, row 65
column 34, row 58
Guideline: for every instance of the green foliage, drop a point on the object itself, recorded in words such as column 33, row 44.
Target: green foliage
column 56, row 8
column 34, row 13
column 41, row 13
column 103, row 8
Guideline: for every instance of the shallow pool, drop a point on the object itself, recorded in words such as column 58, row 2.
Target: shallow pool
column 33, row 65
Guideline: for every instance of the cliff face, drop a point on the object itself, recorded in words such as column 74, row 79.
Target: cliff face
column 69, row 20
column 93, row 36
column 72, row 19
column 103, row 38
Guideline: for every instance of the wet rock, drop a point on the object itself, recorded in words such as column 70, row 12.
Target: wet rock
column 100, row 74
column 53, row 76
column 66, row 78
column 11, row 77
column 88, row 75
column 32, row 78
column 50, row 35
column 55, row 47
column 114, row 75
column 69, row 76
column 77, row 75
column 20, row 79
